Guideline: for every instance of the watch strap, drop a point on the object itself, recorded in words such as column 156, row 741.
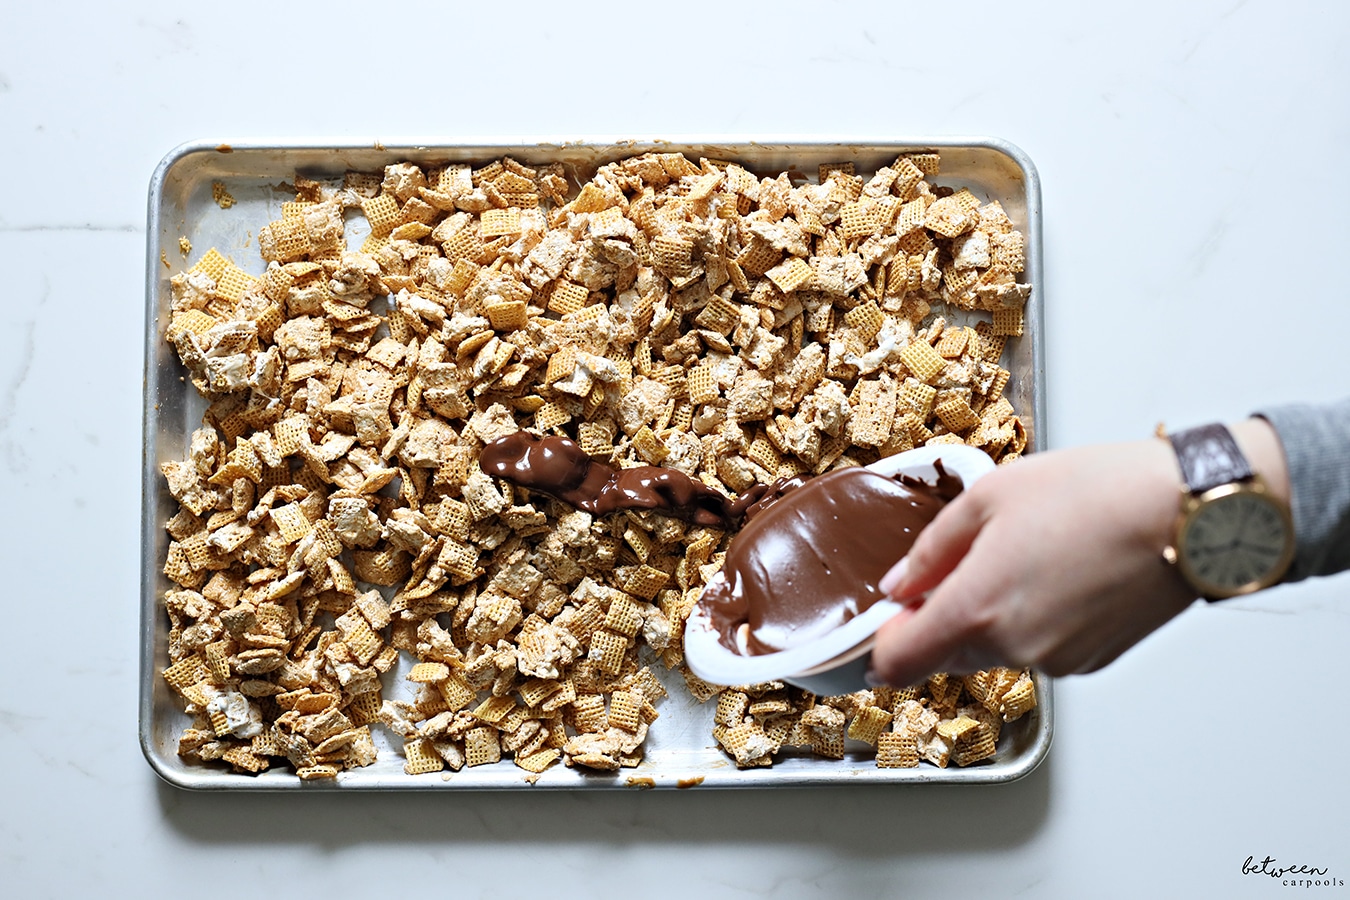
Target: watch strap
column 1209, row 456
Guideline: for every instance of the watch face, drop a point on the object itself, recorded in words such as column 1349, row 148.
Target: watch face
column 1237, row 542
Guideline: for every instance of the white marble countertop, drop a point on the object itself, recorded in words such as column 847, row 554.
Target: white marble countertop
column 1193, row 167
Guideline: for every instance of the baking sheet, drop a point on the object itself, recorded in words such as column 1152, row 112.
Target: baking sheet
column 680, row 751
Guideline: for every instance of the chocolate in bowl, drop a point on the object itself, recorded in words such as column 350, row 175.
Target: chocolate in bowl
column 832, row 660
column 811, row 560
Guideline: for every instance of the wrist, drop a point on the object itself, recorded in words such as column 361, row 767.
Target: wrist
column 1164, row 487
column 1261, row 445
column 1235, row 534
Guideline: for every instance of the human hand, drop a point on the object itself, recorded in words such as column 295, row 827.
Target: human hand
column 1054, row 562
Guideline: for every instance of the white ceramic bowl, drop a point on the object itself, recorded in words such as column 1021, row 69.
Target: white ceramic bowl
column 836, row 662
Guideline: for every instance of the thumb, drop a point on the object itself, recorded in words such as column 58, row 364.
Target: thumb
column 914, row 644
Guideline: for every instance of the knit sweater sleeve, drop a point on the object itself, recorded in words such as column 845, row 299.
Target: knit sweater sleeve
column 1316, row 443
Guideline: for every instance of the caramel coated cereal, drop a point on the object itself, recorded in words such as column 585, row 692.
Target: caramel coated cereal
column 332, row 518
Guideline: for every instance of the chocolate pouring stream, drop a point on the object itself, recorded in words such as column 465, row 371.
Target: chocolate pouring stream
column 557, row 466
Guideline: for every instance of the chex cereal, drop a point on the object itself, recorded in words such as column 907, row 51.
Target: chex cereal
column 738, row 327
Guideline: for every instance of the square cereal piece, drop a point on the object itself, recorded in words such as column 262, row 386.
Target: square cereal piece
column 583, row 623
column 957, row 415
column 539, row 760
column 551, row 415
column 233, row 282
column 561, row 365
column 870, row 425
column 748, row 745
column 976, row 744
column 497, row 222
column 766, row 708
column 291, row 522
column 996, row 388
column 192, row 320
column 421, row 758
column 867, row 318
column 702, row 385
column 596, row 439
column 953, row 342
column 829, row 745
column 588, row 713
column 966, row 200
column 646, row 582
column 494, row 709
column 608, row 649
column 896, row 750
column 720, row 315
column 858, row 219
column 927, row 163
column 758, row 257
column 1008, row 321
column 383, row 214
column 674, row 254
column 211, row 264
column 731, row 708
column 429, row 673
column 948, row 218
column 461, row 276
column 650, row 447
column 364, row 708
column 1019, row 700
column 910, row 219
column 372, row 606
column 363, row 641
column 481, row 746
column 218, row 661
column 567, row 298
column 825, row 170
column 699, row 689
column 625, row 711
column 868, row 724
column 623, row 616
column 506, row 315
column 535, row 691
column 958, row 728
column 411, row 231
column 921, row 359
column 185, row 673
column 456, row 692
column 761, row 452
column 791, row 274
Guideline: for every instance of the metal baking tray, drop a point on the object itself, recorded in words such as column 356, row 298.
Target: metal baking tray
column 680, row 750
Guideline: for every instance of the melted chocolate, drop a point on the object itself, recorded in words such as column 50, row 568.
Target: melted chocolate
column 810, row 556
column 558, row 467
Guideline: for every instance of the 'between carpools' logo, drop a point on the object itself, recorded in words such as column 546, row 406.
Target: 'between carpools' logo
column 1291, row 876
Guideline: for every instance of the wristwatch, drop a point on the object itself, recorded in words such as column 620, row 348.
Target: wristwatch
column 1233, row 537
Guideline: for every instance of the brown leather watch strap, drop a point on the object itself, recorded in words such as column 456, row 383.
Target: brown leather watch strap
column 1209, row 457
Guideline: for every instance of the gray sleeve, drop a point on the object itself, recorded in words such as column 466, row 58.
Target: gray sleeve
column 1316, row 443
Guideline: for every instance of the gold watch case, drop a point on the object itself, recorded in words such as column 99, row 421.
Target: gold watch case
column 1194, row 507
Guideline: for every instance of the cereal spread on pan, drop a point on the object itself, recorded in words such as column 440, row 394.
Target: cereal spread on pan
column 332, row 514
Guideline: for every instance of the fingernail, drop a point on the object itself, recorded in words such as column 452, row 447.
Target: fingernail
column 873, row 679
column 892, row 579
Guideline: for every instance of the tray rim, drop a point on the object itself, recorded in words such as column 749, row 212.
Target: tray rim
column 484, row 147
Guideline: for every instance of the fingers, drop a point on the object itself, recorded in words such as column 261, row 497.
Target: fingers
column 914, row 644
column 938, row 549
